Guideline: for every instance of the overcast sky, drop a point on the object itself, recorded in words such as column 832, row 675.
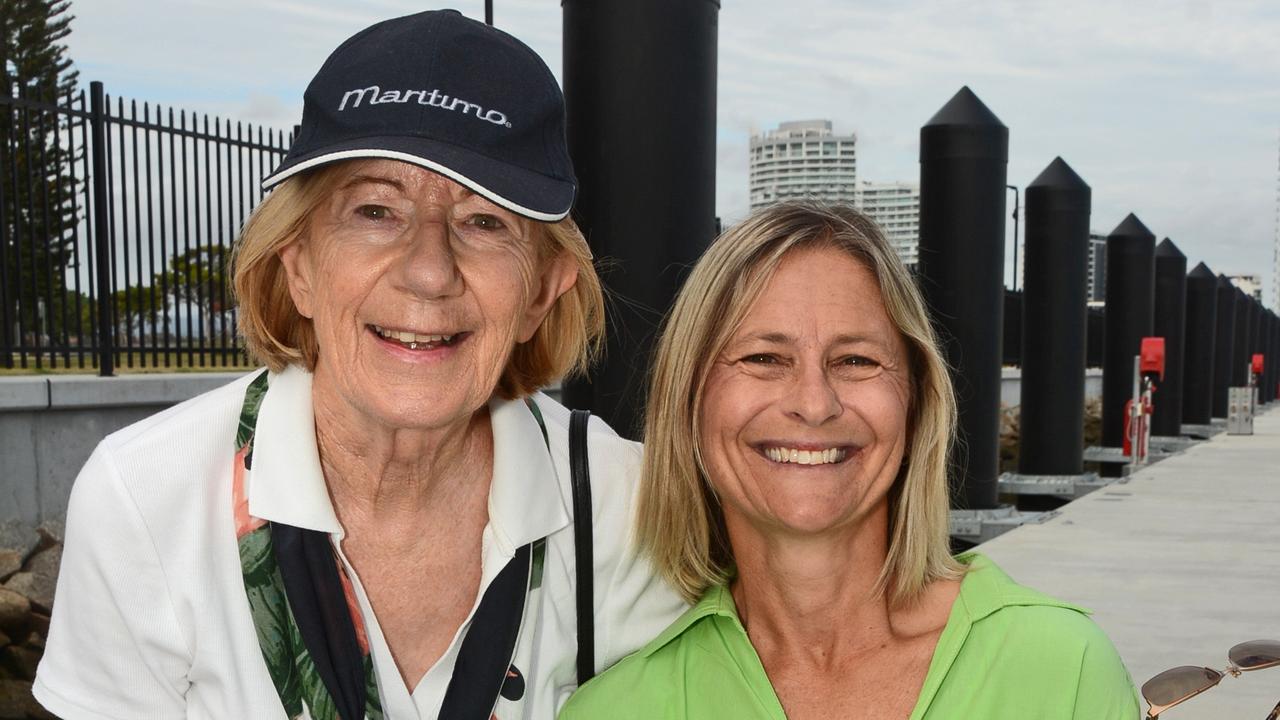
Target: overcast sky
column 1168, row 108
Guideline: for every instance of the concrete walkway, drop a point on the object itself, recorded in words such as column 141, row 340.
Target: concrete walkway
column 1179, row 562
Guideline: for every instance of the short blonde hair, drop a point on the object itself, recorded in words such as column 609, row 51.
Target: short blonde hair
column 680, row 523
column 277, row 335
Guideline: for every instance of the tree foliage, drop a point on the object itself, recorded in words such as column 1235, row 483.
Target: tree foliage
column 37, row 215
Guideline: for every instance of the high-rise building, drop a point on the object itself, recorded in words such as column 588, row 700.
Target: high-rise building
column 1096, row 281
column 896, row 208
column 1250, row 285
column 803, row 160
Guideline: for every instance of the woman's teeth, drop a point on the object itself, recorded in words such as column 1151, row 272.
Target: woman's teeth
column 805, row 457
column 413, row 340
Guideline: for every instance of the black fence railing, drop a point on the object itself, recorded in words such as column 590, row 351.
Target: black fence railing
column 116, row 226
column 1011, row 352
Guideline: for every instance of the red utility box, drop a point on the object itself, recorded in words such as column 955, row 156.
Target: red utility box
column 1151, row 357
column 1257, row 364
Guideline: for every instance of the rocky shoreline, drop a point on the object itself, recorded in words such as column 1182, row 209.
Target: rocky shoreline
column 29, row 559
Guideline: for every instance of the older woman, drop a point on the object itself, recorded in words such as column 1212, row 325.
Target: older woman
column 379, row 524
column 795, row 489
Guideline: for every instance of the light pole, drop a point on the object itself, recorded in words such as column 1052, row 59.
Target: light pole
column 1016, row 208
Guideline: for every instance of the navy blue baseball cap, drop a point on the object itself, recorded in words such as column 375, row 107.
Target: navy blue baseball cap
column 449, row 94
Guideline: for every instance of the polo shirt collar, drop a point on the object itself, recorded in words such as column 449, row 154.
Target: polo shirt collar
column 526, row 498
column 286, row 483
column 717, row 600
column 984, row 590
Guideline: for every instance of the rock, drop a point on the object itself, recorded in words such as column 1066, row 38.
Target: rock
column 21, row 662
column 40, row 624
column 40, row 578
column 35, row 640
column 10, row 563
column 18, row 537
column 4, row 640
column 16, row 702
column 52, row 530
column 15, row 613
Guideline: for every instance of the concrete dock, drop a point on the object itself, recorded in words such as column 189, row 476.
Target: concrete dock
column 1178, row 562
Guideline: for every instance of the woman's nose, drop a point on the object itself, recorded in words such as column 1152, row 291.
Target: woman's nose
column 429, row 267
column 813, row 400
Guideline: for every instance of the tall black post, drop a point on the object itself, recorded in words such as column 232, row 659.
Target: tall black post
column 1168, row 322
column 1255, row 330
column 1264, row 347
column 964, row 151
column 640, row 88
column 1200, row 331
column 1053, row 323
column 1273, row 358
column 1240, row 346
column 1130, row 279
column 1224, row 345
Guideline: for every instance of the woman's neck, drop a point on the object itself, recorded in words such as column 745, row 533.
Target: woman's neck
column 378, row 473
column 812, row 599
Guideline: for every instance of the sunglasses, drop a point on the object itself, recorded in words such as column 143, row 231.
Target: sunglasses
column 1177, row 685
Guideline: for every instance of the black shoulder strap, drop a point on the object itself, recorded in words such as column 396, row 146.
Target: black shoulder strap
column 580, row 473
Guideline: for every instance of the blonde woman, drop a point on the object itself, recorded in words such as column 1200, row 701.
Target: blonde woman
column 795, row 490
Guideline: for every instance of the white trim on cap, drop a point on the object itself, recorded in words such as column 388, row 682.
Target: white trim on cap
column 423, row 162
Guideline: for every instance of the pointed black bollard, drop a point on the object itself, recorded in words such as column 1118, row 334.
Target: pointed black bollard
column 1199, row 334
column 1243, row 339
column 1224, row 345
column 1168, row 322
column 964, row 153
column 1051, row 423
column 1130, row 279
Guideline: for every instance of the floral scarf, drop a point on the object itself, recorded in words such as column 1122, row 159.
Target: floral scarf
column 315, row 645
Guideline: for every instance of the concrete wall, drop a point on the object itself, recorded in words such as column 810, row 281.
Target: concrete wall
column 50, row 424
column 1011, row 386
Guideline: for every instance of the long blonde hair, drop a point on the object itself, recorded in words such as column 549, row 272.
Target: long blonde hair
column 680, row 523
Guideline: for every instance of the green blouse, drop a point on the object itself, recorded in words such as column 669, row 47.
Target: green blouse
column 1006, row 652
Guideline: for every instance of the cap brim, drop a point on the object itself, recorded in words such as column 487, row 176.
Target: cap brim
column 521, row 191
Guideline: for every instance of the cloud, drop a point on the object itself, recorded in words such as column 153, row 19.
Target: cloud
column 1168, row 108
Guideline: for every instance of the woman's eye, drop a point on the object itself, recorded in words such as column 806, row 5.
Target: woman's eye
column 761, row 359
column 374, row 212
column 858, row 361
column 485, row 221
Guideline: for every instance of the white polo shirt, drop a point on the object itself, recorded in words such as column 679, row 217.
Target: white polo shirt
column 151, row 618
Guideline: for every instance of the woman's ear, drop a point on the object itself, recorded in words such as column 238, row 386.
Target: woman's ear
column 558, row 276
column 297, row 269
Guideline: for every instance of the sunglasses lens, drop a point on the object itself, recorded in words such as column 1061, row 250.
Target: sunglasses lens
column 1176, row 684
column 1255, row 654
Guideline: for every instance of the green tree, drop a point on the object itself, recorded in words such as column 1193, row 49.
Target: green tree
column 38, row 216
column 134, row 308
column 200, row 276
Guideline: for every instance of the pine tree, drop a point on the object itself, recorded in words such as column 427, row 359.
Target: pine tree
column 36, row 189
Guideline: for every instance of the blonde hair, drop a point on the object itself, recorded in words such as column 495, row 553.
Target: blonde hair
column 277, row 335
column 680, row 523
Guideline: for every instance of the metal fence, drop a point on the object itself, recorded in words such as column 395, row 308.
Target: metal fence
column 116, row 224
column 1012, row 349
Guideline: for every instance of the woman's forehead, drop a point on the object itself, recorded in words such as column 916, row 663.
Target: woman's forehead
column 405, row 175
